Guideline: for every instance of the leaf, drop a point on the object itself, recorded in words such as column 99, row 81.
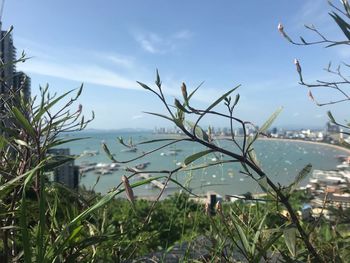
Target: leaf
column 22, row 120
column 60, row 141
column 196, row 156
column 342, row 24
column 242, row 237
column 236, row 100
column 331, row 118
column 159, row 115
column 303, row 40
column 157, row 140
column 180, row 106
column 262, row 181
column 50, row 105
column 221, row 98
column 194, row 91
column 301, row 175
column 270, row 120
column 290, row 239
column 257, row 234
column 144, row 86
column 3, row 142
column 253, row 157
column 199, row 132
column 110, row 156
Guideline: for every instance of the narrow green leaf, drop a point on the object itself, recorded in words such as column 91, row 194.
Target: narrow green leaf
column 262, row 181
column 199, row 132
column 22, row 120
column 107, row 151
column 221, row 98
column 290, row 239
column 270, row 120
column 194, row 91
column 258, row 233
column 301, row 175
column 331, row 118
column 3, row 142
column 49, row 106
column 62, row 141
column 342, row 24
column 158, row 140
column 144, row 86
column 243, row 238
column 159, row 115
column 180, row 106
column 196, row 156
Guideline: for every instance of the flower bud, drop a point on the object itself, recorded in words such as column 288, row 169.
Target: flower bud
column 310, row 95
column 280, row 28
column 128, row 190
column 80, row 108
column 219, row 207
column 184, row 91
column 207, row 209
column 297, row 64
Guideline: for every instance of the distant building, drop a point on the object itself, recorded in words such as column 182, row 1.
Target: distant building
column 22, row 82
column 8, row 56
column 11, row 82
column 67, row 173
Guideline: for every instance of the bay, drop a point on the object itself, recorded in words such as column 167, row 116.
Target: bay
column 281, row 161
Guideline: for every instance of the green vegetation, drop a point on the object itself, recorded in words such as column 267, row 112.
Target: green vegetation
column 42, row 221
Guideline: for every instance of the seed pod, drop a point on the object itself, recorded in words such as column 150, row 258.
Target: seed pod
column 128, row 190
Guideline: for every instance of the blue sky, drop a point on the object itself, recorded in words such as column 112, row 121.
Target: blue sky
column 109, row 45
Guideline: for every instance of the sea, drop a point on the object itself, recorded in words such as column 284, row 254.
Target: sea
column 280, row 160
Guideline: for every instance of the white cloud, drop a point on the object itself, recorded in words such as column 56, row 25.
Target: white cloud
column 156, row 44
column 137, row 117
column 120, row 60
column 81, row 73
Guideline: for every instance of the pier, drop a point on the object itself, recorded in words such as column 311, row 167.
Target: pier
column 156, row 183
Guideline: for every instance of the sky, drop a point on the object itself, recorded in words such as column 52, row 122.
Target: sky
column 109, row 45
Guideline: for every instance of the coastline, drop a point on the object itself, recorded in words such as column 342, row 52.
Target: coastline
column 334, row 146
column 338, row 147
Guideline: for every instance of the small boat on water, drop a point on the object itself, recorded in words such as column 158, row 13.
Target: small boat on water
column 103, row 171
column 169, row 153
column 142, row 166
column 133, row 149
column 90, row 153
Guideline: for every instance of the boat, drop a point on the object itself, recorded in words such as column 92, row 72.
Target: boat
column 103, row 171
column 133, row 149
column 90, row 153
column 142, row 166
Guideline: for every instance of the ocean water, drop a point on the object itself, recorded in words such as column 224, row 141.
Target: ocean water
column 280, row 160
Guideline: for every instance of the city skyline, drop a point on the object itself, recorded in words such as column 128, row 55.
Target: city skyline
column 223, row 45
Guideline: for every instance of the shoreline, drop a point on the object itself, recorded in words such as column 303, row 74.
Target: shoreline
column 338, row 147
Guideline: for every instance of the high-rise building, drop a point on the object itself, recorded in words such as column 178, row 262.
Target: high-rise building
column 10, row 80
column 7, row 56
column 21, row 82
column 67, row 173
